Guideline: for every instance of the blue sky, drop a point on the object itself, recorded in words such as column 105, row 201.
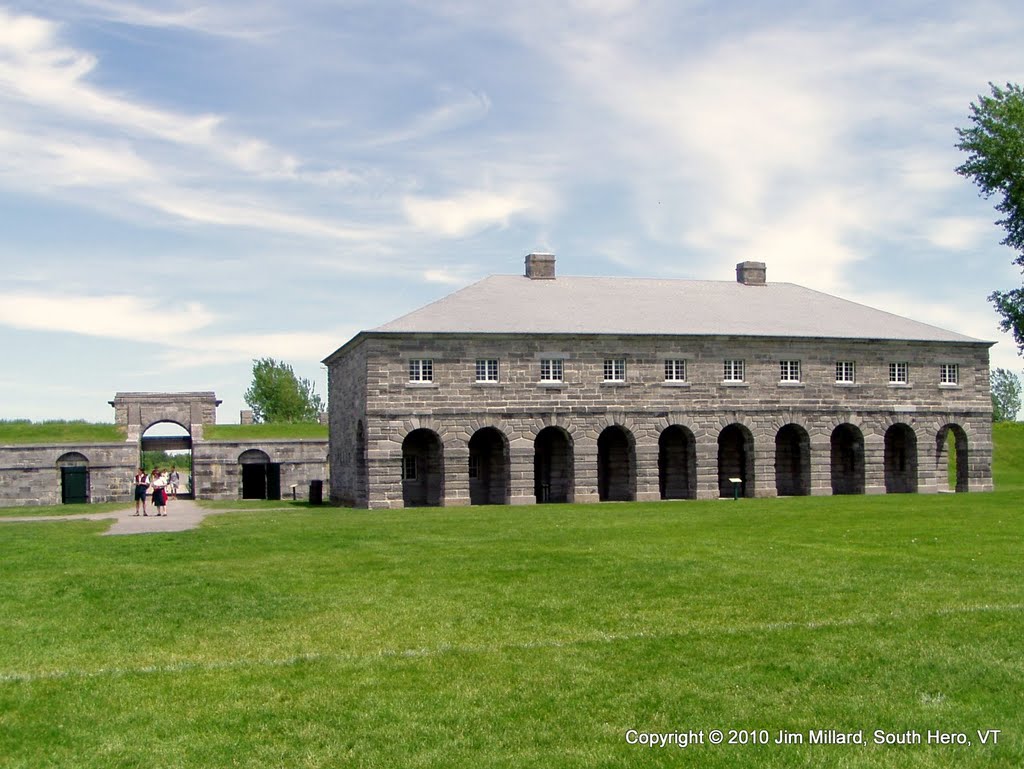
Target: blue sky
column 185, row 187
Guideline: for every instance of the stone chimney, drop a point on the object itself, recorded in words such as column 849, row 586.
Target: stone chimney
column 751, row 273
column 540, row 266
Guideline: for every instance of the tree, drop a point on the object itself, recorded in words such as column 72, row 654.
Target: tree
column 1006, row 390
column 277, row 395
column 995, row 147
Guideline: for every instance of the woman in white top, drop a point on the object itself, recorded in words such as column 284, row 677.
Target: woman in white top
column 159, row 484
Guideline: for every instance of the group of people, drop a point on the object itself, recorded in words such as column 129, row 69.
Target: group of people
column 161, row 485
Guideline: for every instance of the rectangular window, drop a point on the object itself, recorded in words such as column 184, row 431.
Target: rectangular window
column 487, row 370
column 789, row 371
column 675, row 371
column 551, row 370
column 949, row 374
column 845, row 371
column 408, row 468
column 732, row 371
column 898, row 373
column 615, row 369
column 421, row 370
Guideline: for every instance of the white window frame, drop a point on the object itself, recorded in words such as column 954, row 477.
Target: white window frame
column 949, row 374
column 789, row 371
column 846, row 372
column 408, row 467
column 614, row 369
column 487, row 370
column 733, row 370
column 421, row 370
column 675, row 370
column 551, row 370
column 899, row 373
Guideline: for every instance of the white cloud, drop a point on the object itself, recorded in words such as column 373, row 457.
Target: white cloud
column 958, row 233
column 469, row 212
column 204, row 350
column 118, row 316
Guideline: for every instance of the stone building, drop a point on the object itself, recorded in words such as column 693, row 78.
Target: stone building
column 49, row 474
column 537, row 388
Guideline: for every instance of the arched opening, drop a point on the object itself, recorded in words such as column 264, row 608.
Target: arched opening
column 422, row 469
column 951, row 458
column 261, row 478
column 792, row 461
column 74, row 478
column 677, row 463
column 847, row 460
column 735, row 460
column 489, row 468
column 616, row 465
column 168, row 446
column 900, row 460
column 553, row 476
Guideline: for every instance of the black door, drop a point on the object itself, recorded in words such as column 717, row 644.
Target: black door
column 273, row 481
column 74, row 485
column 254, row 482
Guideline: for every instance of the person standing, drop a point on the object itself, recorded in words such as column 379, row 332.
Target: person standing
column 159, row 484
column 172, row 482
column 141, row 487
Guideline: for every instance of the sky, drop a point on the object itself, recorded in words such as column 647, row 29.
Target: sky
column 186, row 187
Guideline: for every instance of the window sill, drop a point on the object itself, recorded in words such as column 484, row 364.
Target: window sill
column 421, row 385
column 791, row 384
column 486, row 384
column 900, row 386
column 607, row 383
column 672, row 383
column 735, row 384
column 847, row 384
column 551, row 385
column 950, row 386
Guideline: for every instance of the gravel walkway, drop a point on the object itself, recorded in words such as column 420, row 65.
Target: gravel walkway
column 182, row 514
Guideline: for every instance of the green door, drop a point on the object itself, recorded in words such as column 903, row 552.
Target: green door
column 74, row 485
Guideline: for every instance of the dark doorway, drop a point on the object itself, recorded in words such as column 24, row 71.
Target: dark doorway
column 735, row 460
column 553, row 475
column 261, row 478
column 900, row 460
column 952, row 458
column 847, row 460
column 488, row 468
column 677, row 463
column 422, row 469
column 792, row 461
column 616, row 465
column 74, row 478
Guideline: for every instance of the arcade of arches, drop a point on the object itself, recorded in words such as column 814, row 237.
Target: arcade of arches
column 615, row 466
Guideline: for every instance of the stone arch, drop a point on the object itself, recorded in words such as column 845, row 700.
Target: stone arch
column 553, row 468
column 75, row 481
column 736, row 459
column 847, row 459
column 422, row 468
column 900, row 459
column 959, row 458
column 677, row 463
column 260, row 476
column 489, row 471
column 792, row 461
column 616, row 465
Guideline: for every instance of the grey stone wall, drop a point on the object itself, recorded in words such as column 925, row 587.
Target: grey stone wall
column 369, row 385
column 217, row 473
column 29, row 474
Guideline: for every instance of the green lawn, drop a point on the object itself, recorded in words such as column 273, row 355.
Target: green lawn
column 21, row 431
column 521, row 637
column 265, row 431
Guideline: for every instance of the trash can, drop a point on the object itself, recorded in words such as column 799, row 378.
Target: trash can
column 316, row 492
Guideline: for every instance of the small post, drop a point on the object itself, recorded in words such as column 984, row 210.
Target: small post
column 736, row 483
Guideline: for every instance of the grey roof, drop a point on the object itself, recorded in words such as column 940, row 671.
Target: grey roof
column 504, row 304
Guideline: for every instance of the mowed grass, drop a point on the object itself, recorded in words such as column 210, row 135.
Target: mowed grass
column 520, row 637
column 265, row 431
column 24, row 431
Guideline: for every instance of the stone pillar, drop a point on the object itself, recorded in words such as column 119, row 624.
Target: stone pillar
column 585, row 471
column 874, row 463
column 521, row 481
